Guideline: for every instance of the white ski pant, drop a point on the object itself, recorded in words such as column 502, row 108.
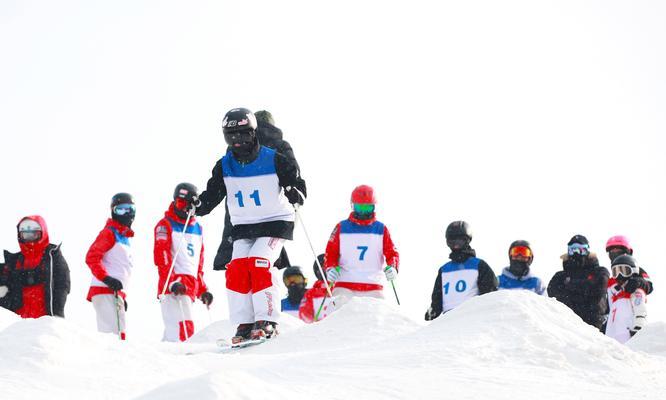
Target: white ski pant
column 252, row 294
column 343, row 295
column 110, row 315
column 177, row 317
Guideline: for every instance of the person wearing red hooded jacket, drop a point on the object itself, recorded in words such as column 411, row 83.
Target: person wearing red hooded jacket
column 182, row 247
column 357, row 250
column 316, row 297
column 34, row 282
column 110, row 261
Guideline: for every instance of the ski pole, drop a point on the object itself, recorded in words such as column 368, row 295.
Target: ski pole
column 182, row 315
column 118, row 305
column 180, row 244
column 307, row 237
column 395, row 293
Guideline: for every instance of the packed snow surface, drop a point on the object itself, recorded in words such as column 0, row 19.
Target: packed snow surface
column 504, row 345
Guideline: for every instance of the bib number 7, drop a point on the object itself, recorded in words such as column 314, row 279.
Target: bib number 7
column 254, row 196
column 363, row 250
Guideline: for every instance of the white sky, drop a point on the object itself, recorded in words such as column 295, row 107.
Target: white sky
column 529, row 119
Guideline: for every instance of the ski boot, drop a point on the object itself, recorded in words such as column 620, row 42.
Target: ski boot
column 263, row 330
column 243, row 333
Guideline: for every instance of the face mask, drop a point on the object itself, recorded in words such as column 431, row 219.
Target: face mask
column 519, row 268
column 295, row 292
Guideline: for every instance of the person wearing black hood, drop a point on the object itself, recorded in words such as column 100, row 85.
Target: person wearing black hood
column 463, row 277
column 296, row 283
column 582, row 283
column 270, row 136
column 517, row 275
column 261, row 187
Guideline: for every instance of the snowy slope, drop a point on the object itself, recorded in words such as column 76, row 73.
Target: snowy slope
column 505, row 345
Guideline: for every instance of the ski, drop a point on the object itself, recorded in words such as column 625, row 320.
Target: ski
column 225, row 346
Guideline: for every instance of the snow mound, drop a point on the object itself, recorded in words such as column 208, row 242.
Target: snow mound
column 361, row 321
column 59, row 356
column 508, row 327
column 7, row 318
column 651, row 339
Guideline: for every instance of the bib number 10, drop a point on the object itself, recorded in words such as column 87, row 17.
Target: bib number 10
column 254, row 196
column 460, row 286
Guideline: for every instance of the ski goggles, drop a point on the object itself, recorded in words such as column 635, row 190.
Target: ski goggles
column 622, row 270
column 364, row 208
column 294, row 280
column 579, row 249
column 520, row 251
column 124, row 209
column 30, row 236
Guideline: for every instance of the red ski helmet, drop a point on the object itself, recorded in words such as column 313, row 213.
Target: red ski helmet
column 363, row 194
column 619, row 241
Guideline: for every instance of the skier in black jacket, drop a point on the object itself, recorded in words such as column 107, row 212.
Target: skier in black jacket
column 270, row 136
column 463, row 277
column 259, row 184
column 582, row 283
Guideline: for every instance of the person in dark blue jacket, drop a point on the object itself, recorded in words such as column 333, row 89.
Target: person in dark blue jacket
column 296, row 283
column 518, row 275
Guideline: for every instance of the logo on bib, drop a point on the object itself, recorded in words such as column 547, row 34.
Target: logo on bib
column 262, row 263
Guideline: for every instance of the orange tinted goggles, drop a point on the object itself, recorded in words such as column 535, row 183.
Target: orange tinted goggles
column 293, row 280
column 521, row 251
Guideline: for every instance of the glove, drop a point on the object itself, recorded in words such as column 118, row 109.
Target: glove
column 293, row 195
column 207, row 298
column 178, row 288
column 3, row 291
column 333, row 274
column 196, row 202
column 390, row 272
column 430, row 314
column 113, row 283
column 633, row 283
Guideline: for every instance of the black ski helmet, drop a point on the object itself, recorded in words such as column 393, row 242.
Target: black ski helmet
column 121, row 198
column 127, row 216
column 238, row 119
column 292, row 271
column 458, row 229
column 625, row 259
column 185, row 191
column 315, row 267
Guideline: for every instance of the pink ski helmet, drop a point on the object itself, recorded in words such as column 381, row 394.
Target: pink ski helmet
column 619, row 241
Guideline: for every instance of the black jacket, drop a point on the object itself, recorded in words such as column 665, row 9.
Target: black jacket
column 52, row 271
column 288, row 175
column 582, row 288
column 486, row 281
column 271, row 137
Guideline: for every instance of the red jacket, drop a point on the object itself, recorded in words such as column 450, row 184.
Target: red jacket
column 34, row 300
column 163, row 257
column 308, row 307
column 332, row 257
column 105, row 242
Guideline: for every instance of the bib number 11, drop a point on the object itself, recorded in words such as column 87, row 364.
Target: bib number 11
column 254, row 196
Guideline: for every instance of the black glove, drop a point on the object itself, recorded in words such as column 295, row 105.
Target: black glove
column 178, row 288
column 293, row 195
column 430, row 315
column 113, row 283
column 634, row 283
column 207, row 298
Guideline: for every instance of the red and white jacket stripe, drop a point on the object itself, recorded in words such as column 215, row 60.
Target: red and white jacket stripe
column 110, row 255
column 349, row 279
column 188, row 268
